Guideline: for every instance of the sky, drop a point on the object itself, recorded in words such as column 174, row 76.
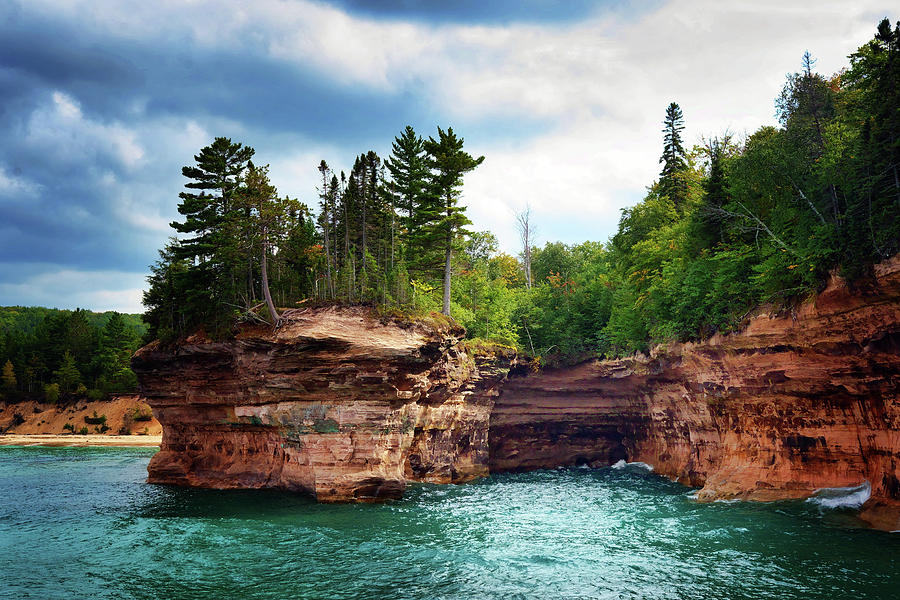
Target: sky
column 103, row 101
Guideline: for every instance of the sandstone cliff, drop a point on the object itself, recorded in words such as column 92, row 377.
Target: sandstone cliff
column 335, row 403
column 344, row 406
column 793, row 403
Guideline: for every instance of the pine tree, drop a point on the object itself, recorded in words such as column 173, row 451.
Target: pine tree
column 67, row 376
column 326, row 221
column 8, row 378
column 442, row 217
column 268, row 216
column 671, row 178
column 166, row 315
column 409, row 174
column 215, row 252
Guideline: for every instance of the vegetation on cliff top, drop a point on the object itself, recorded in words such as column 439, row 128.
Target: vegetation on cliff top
column 729, row 224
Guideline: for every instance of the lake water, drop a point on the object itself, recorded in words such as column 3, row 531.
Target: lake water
column 82, row 523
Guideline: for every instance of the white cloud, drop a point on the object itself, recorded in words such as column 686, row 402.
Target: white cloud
column 68, row 288
column 59, row 129
column 601, row 84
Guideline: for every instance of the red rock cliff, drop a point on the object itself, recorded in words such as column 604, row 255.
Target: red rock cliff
column 793, row 403
column 335, row 403
column 343, row 406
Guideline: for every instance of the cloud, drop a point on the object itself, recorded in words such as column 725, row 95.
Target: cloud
column 70, row 289
column 104, row 101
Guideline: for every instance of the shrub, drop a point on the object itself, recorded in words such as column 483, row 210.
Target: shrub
column 69, row 427
column 83, row 431
column 95, row 420
column 142, row 414
column 51, row 393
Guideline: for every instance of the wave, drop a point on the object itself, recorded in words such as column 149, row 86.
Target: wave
column 636, row 466
column 842, row 497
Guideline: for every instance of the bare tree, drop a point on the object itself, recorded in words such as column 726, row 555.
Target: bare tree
column 526, row 234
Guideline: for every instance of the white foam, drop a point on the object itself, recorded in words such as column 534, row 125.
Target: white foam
column 639, row 466
column 842, row 497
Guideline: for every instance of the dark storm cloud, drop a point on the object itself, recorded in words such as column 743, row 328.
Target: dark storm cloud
column 88, row 177
column 109, row 76
column 480, row 11
column 101, row 103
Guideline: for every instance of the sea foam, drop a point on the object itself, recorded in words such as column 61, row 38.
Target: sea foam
column 637, row 466
column 842, row 497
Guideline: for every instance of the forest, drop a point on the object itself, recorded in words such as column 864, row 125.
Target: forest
column 57, row 355
column 730, row 223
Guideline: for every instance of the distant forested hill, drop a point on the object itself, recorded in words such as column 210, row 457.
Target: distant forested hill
column 52, row 354
column 25, row 319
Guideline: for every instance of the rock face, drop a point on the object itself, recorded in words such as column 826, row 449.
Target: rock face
column 343, row 406
column 335, row 403
column 793, row 403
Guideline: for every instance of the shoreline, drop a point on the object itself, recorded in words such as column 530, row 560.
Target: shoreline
column 139, row 441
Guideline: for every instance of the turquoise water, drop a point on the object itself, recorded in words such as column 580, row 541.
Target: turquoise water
column 81, row 523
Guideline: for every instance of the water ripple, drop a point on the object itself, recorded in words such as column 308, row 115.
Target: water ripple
column 81, row 522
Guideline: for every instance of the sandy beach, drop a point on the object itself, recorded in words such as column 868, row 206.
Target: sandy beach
column 150, row 441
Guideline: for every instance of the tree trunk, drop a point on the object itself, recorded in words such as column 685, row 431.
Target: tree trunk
column 265, row 280
column 446, row 309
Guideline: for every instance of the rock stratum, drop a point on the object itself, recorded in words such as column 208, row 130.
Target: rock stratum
column 341, row 405
column 334, row 403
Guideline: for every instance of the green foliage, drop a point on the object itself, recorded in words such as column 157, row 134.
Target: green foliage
column 728, row 227
column 67, row 376
column 99, row 347
column 51, row 393
column 8, row 378
column 141, row 414
column 95, row 419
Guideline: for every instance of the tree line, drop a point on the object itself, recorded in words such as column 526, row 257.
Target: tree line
column 54, row 355
column 382, row 232
column 730, row 223
column 734, row 223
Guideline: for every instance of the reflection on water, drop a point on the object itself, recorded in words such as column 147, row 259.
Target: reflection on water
column 81, row 522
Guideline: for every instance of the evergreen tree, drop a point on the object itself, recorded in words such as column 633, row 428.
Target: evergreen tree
column 707, row 225
column 214, row 253
column 874, row 230
column 327, row 206
column 8, row 378
column 671, row 178
column 167, row 315
column 443, row 217
column 409, row 174
column 67, row 376
column 266, row 224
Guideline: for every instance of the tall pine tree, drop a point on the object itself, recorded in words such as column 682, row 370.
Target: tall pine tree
column 671, row 179
column 443, row 217
column 214, row 252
